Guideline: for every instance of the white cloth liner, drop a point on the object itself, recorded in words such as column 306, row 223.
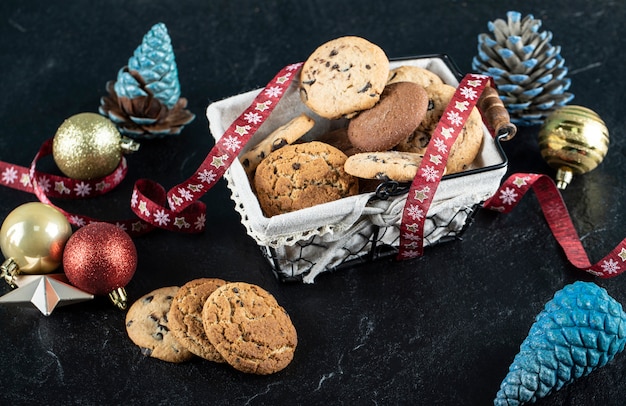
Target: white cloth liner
column 335, row 223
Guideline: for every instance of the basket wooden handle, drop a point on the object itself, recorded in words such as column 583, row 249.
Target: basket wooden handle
column 496, row 114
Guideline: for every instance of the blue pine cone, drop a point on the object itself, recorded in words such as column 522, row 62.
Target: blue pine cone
column 579, row 330
column 529, row 71
column 144, row 101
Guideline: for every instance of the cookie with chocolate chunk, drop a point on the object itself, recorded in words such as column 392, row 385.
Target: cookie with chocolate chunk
column 384, row 165
column 343, row 76
column 185, row 317
column 283, row 135
column 302, row 175
column 416, row 142
column 249, row 328
column 397, row 114
column 147, row 326
column 415, row 74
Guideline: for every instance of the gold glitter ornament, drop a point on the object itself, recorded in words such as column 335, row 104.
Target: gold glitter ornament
column 32, row 239
column 88, row 146
column 573, row 140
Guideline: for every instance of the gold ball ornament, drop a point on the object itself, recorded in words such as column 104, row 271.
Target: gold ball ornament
column 32, row 239
column 573, row 140
column 87, row 146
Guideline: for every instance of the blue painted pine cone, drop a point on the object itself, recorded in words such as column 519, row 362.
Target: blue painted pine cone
column 579, row 330
column 144, row 102
column 529, row 71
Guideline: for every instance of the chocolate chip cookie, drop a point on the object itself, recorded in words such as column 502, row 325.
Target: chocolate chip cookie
column 284, row 135
column 415, row 74
column 302, row 175
column 147, row 326
column 384, row 165
column 249, row 328
column 185, row 317
column 343, row 76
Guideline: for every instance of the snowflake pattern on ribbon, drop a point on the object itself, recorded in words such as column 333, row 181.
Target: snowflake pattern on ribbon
column 433, row 165
column 54, row 186
column 557, row 216
column 510, row 193
column 9, row 175
column 184, row 213
column 236, row 136
column 47, row 186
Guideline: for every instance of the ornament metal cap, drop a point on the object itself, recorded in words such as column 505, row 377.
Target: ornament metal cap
column 119, row 298
column 9, row 270
column 564, row 176
column 129, row 145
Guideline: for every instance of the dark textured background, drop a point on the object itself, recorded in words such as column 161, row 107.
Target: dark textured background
column 441, row 330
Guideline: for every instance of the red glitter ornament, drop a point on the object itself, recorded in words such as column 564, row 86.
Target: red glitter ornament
column 100, row 258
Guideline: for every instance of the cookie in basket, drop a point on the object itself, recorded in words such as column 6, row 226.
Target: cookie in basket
column 147, row 326
column 401, row 108
column 284, row 135
column 468, row 143
column 343, row 76
column 338, row 138
column 384, row 165
column 302, row 175
column 249, row 328
column 416, row 142
column 415, row 74
column 185, row 317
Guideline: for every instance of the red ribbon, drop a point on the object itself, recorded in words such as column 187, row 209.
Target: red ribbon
column 432, row 167
column 54, row 186
column 187, row 213
column 559, row 221
column 46, row 186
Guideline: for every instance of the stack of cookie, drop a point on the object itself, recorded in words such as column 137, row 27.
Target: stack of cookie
column 388, row 117
column 233, row 322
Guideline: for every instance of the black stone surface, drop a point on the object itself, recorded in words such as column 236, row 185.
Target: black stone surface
column 441, row 330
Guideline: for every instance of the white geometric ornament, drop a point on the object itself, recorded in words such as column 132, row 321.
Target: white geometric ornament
column 46, row 292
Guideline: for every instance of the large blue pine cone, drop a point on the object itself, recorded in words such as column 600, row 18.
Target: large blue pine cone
column 579, row 330
column 529, row 71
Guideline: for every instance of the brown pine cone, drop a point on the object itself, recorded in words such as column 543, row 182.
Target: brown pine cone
column 144, row 117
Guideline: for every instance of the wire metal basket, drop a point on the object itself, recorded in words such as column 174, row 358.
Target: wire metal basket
column 302, row 244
